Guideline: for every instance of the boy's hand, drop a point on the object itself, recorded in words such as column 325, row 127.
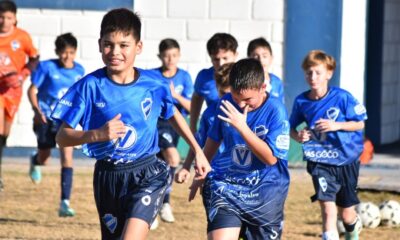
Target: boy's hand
column 201, row 165
column 326, row 125
column 12, row 80
column 182, row 176
column 233, row 116
column 196, row 185
column 113, row 129
column 39, row 117
column 172, row 88
column 303, row 135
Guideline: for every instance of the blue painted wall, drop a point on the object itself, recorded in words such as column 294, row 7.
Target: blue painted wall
column 310, row 24
column 75, row 4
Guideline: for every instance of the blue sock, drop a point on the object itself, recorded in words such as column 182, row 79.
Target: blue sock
column 66, row 182
column 167, row 194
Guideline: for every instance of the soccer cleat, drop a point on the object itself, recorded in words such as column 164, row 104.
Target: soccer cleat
column 34, row 171
column 154, row 225
column 166, row 213
column 65, row 210
column 354, row 235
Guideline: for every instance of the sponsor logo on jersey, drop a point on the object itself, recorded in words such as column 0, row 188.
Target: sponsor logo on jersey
column 322, row 183
column 283, row 142
column 359, row 109
column 178, row 89
column 128, row 140
column 110, row 221
column 15, row 45
column 260, row 130
column 100, row 104
column 66, row 102
column 146, row 107
column 55, row 76
column 333, row 113
column 241, row 156
column 322, row 154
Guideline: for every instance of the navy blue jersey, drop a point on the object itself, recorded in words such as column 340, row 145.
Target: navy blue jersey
column 183, row 85
column 96, row 99
column 334, row 148
column 52, row 81
column 205, row 86
column 276, row 87
column 241, row 182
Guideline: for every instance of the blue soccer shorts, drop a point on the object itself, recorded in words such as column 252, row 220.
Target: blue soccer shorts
column 167, row 136
column 128, row 190
column 46, row 134
column 335, row 183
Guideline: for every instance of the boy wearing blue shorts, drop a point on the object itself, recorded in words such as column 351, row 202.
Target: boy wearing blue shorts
column 221, row 48
column 261, row 50
column 50, row 81
column 332, row 143
column 249, row 181
column 118, row 107
column 181, row 86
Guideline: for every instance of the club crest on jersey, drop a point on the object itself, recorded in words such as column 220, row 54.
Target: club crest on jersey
column 241, row 156
column 15, row 45
column 110, row 221
column 146, row 107
column 179, row 89
column 333, row 113
column 260, row 130
column 359, row 109
column 322, row 183
column 128, row 140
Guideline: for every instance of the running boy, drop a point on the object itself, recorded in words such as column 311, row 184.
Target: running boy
column 118, row 107
column 261, row 50
column 15, row 48
column 181, row 86
column 221, row 48
column 222, row 82
column 50, row 82
column 249, row 180
column 332, row 143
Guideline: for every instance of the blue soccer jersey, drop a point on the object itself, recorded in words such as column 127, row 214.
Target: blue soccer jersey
column 52, row 81
column 337, row 147
column 276, row 88
column 241, row 182
column 96, row 99
column 183, row 85
column 205, row 86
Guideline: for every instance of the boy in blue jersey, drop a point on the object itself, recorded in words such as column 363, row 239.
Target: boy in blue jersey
column 261, row 50
column 248, row 184
column 181, row 86
column 50, row 82
column 221, row 48
column 118, row 107
column 207, row 118
column 332, row 143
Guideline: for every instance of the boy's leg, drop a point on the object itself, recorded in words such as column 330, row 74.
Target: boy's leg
column 36, row 160
column 224, row 225
column 135, row 227
column 66, row 181
column 329, row 216
column 3, row 138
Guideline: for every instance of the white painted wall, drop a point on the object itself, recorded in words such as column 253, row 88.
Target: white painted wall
column 191, row 22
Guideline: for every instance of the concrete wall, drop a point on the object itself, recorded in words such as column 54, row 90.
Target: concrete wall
column 192, row 23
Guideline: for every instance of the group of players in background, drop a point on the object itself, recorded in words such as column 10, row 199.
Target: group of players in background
column 130, row 121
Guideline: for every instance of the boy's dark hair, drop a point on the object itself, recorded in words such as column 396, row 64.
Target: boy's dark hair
column 221, row 76
column 223, row 41
column 65, row 40
column 246, row 74
column 316, row 57
column 121, row 20
column 166, row 44
column 8, row 6
column 256, row 43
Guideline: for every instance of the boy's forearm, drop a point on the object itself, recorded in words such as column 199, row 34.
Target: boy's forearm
column 351, row 126
column 181, row 127
column 195, row 108
column 70, row 137
column 185, row 103
column 188, row 161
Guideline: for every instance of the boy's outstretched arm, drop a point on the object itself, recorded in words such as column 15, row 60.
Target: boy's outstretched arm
column 178, row 122
column 327, row 125
column 67, row 136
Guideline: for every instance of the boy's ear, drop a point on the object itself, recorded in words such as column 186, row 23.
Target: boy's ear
column 263, row 87
column 99, row 42
column 139, row 47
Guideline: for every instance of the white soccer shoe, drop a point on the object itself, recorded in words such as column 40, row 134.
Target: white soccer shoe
column 166, row 213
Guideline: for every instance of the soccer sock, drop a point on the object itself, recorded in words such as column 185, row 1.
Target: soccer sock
column 35, row 160
column 330, row 235
column 66, row 182
column 3, row 140
column 350, row 227
column 171, row 174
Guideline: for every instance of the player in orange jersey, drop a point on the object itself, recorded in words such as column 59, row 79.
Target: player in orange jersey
column 15, row 48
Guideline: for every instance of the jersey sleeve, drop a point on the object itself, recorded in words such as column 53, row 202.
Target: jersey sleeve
column 295, row 117
column 355, row 111
column 29, row 49
column 278, row 138
column 71, row 108
column 167, row 104
column 215, row 131
column 188, row 89
column 201, row 134
column 39, row 75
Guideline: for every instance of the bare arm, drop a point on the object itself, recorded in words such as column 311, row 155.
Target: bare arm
column 195, row 108
column 39, row 117
column 113, row 129
column 327, row 125
column 301, row 136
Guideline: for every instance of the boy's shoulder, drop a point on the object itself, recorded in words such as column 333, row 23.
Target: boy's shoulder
column 206, row 72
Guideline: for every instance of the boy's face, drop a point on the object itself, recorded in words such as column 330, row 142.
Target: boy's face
column 253, row 98
column 263, row 55
column 66, row 56
column 317, row 76
column 118, row 51
column 7, row 21
column 223, row 56
column 170, row 58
